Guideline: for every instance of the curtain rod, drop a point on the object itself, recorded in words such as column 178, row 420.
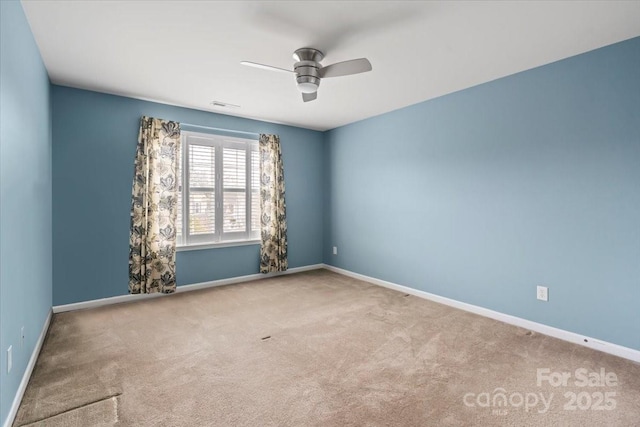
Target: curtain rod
column 220, row 129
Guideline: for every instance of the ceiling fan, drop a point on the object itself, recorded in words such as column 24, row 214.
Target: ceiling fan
column 309, row 71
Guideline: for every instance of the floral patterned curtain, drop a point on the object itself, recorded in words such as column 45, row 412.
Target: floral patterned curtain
column 273, row 250
column 152, row 243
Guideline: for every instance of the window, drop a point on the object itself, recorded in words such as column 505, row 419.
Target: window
column 218, row 190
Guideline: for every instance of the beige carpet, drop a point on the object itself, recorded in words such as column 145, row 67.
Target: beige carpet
column 313, row 349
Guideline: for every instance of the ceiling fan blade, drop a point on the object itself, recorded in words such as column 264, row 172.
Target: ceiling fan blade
column 265, row 67
column 306, row 97
column 345, row 68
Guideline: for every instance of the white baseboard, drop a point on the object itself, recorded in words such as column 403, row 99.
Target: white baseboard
column 13, row 411
column 595, row 344
column 184, row 288
column 615, row 349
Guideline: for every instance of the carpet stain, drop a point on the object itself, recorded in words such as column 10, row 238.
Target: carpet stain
column 103, row 412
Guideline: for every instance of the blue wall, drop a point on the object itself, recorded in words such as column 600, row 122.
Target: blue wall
column 483, row 194
column 25, row 197
column 478, row 196
column 94, row 141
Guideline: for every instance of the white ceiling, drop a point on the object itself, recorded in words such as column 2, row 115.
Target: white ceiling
column 188, row 53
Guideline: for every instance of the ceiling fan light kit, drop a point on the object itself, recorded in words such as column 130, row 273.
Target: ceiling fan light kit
column 309, row 72
column 307, row 69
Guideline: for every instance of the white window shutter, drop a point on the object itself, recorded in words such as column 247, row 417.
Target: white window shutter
column 219, row 189
column 234, row 173
column 202, row 185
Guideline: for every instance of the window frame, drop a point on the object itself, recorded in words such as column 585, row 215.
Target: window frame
column 219, row 238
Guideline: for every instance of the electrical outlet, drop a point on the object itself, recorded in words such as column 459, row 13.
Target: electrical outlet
column 9, row 358
column 543, row 293
column 335, row 250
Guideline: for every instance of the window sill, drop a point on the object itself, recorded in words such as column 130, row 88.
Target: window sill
column 218, row 245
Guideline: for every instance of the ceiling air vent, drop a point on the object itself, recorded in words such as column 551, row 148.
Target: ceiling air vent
column 223, row 104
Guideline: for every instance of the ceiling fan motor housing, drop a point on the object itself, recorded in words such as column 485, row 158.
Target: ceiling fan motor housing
column 307, row 69
column 307, row 76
